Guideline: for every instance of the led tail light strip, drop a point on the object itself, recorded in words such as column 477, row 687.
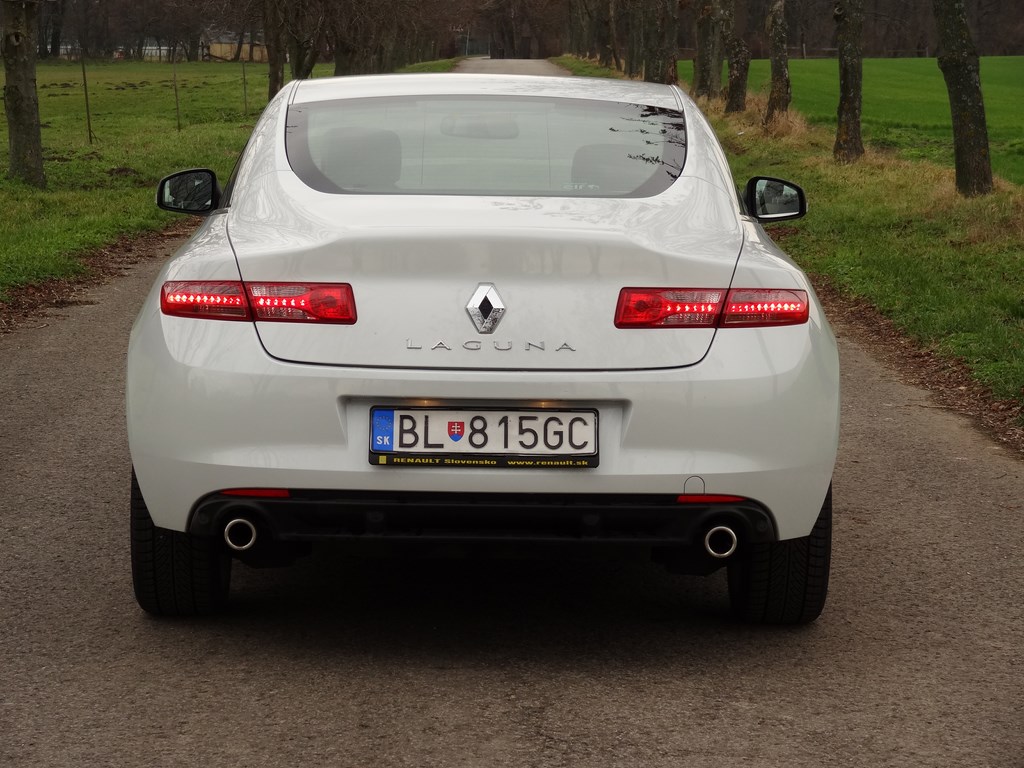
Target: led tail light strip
column 266, row 302
column 671, row 307
column 710, row 308
column 211, row 300
column 759, row 307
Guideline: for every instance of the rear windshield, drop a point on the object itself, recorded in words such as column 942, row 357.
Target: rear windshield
column 452, row 145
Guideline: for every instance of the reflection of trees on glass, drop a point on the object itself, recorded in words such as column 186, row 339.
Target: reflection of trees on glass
column 776, row 198
column 662, row 129
column 191, row 192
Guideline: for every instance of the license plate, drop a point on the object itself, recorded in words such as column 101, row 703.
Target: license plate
column 457, row 437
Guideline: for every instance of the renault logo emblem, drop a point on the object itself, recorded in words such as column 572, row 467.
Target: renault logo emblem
column 486, row 308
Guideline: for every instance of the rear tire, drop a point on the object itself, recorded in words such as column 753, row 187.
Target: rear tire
column 174, row 573
column 784, row 582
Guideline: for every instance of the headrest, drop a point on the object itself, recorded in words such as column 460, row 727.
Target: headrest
column 363, row 158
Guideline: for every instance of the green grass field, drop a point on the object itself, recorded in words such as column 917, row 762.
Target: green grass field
column 948, row 271
column 101, row 190
column 104, row 189
column 906, row 108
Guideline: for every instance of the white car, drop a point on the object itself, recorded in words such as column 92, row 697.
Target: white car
column 437, row 308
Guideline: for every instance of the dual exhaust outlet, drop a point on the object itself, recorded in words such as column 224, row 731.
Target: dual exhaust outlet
column 720, row 541
column 240, row 534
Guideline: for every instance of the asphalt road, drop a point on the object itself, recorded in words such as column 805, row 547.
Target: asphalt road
column 485, row 66
column 917, row 660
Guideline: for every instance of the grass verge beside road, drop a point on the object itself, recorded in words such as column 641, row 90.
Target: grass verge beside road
column 585, row 67
column 100, row 191
column 441, row 65
column 906, row 107
column 948, row 271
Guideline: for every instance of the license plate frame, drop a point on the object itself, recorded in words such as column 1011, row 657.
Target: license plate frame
column 562, row 438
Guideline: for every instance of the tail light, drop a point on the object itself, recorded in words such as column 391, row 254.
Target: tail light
column 750, row 308
column 269, row 302
column 303, row 302
column 671, row 307
column 710, row 308
column 214, row 301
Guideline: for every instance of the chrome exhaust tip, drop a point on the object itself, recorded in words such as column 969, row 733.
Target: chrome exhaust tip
column 720, row 541
column 240, row 534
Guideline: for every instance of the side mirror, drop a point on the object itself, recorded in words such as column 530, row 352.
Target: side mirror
column 770, row 200
column 195, row 191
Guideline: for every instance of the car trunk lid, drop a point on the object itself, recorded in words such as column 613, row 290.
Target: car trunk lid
column 431, row 276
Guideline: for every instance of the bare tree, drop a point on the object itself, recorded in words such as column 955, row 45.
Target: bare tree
column 781, row 92
column 707, row 66
column 21, row 102
column 234, row 19
column 739, row 63
column 51, row 28
column 524, row 28
column 613, row 35
column 273, row 39
column 660, row 34
column 305, row 25
column 595, row 29
column 958, row 60
column 849, row 16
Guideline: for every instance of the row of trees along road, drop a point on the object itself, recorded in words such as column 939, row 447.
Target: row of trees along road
column 642, row 38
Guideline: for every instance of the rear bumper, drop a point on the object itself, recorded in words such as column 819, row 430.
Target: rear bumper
column 648, row 519
column 678, row 527
column 758, row 418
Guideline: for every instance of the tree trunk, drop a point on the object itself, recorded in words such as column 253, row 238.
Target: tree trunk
column 635, row 45
column 57, row 27
column 344, row 58
column 707, row 66
column 660, row 33
column 849, row 17
column 739, row 67
column 724, row 13
column 613, row 35
column 193, row 46
column 273, row 33
column 42, row 31
column 781, row 92
column 298, row 54
column 304, row 36
column 21, row 102
column 239, row 47
column 602, row 47
column 83, row 31
column 958, row 60
column 343, row 30
column 105, row 45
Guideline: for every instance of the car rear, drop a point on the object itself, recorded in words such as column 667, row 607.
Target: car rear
column 417, row 352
